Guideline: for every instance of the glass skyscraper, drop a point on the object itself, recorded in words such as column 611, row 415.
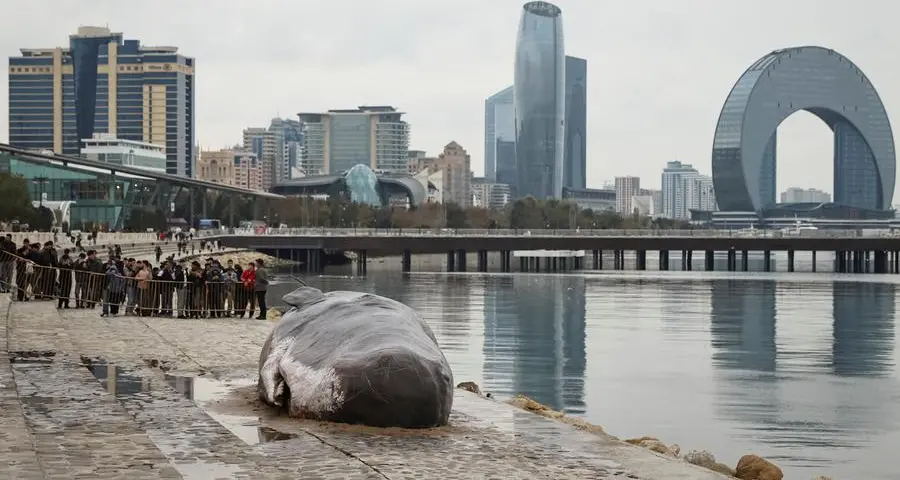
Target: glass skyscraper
column 826, row 84
column 500, row 138
column 103, row 83
column 540, row 101
column 575, row 166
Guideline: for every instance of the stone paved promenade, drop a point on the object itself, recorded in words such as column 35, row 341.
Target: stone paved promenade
column 167, row 398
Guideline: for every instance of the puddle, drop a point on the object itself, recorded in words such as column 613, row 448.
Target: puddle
column 32, row 357
column 204, row 391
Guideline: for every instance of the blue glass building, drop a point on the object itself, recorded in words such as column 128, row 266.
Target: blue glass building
column 575, row 164
column 826, row 84
column 540, row 101
column 499, row 126
column 103, row 83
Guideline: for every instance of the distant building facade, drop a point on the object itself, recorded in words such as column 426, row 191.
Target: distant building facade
column 805, row 195
column 500, row 137
column 234, row 167
column 575, row 163
column 626, row 189
column 103, row 147
column 267, row 146
column 456, row 167
column 674, row 195
column 540, row 101
column 102, row 83
column 486, row 194
column 338, row 140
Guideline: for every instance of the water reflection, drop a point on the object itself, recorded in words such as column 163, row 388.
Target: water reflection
column 863, row 328
column 534, row 338
column 809, row 393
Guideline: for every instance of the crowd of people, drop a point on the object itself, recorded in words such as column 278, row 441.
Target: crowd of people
column 136, row 287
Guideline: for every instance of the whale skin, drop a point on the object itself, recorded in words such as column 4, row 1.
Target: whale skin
column 357, row 358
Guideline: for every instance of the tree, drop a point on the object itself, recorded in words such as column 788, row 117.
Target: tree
column 16, row 204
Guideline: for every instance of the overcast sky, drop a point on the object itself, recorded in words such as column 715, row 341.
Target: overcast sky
column 658, row 71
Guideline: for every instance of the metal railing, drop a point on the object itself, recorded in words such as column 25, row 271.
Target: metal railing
column 451, row 232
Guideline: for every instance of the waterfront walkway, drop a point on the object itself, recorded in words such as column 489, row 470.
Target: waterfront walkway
column 131, row 416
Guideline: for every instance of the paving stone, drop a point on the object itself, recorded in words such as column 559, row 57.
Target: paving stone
column 128, row 418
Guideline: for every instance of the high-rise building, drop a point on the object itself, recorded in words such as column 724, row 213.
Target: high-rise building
column 575, row 163
column 805, row 195
column 626, row 189
column 699, row 194
column 486, row 194
column 674, row 204
column 540, row 101
column 103, row 83
column 337, row 140
column 289, row 139
column 456, row 166
column 499, row 134
column 267, row 145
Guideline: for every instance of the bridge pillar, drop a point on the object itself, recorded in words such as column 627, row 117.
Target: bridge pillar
column 839, row 261
column 813, row 261
column 690, row 260
column 767, row 261
column 641, row 259
column 407, row 261
column 522, row 265
column 790, row 255
column 745, row 262
column 360, row 262
column 881, row 264
column 451, row 261
column 710, row 260
column 555, row 264
column 663, row 260
column 868, row 265
column 461, row 263
column 563, row 263
column 482, row 260
column 598, row 259
column 896, row 261
column 731, row 260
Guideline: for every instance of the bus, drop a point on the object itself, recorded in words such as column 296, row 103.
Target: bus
column 209, row 224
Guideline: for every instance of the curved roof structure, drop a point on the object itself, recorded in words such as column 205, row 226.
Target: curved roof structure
column 826, row 84
column 407, row 183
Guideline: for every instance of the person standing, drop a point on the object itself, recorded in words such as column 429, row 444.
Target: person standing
column 7, row 262
column 248, row 283
column 66, row 267
column 262, row 285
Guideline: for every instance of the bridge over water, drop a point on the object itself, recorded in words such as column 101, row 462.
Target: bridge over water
column 854, row 251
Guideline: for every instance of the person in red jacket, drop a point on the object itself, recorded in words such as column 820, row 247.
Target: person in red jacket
column 248, row 282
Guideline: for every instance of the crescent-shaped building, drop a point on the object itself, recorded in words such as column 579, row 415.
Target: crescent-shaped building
column 539, row 98
column 826, row 84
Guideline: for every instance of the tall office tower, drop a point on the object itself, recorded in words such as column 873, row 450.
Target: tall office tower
column 575, row 165
column 699, row 194
column 626, row 189
column 456, row 167
column 290, row 139
column 540, row 101
column 500, row 138
column 267, row 145
column 337, row 140
column 102, row 83
column 674, row 194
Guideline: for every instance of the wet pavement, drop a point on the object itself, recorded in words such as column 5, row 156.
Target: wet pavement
column 123, row 397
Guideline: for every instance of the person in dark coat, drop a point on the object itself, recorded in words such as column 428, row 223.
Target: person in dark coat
column 66, row 269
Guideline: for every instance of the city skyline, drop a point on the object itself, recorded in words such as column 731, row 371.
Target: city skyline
column 657, row 98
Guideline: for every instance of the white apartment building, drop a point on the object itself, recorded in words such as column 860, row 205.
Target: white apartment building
column 490, row 195
column 337, row 140
column 805, row 195
column 684, row 189
column 104, row 147
column 626, row 189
